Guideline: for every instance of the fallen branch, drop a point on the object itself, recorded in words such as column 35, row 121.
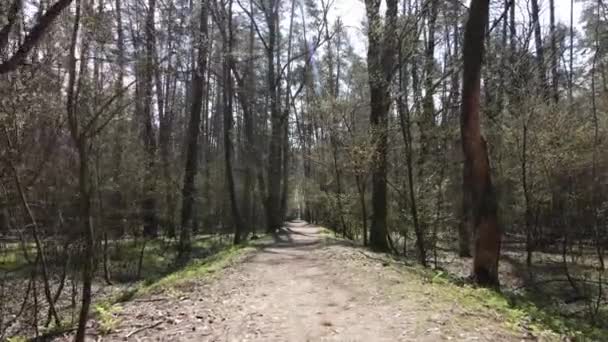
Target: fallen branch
column 152, row 300
column 144, row 328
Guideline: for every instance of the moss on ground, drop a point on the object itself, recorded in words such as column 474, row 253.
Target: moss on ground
column 517, row 310
column 107, row 317
column 195, row 269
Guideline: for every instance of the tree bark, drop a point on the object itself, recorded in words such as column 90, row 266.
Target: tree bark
column 483, row 197
column 554, row 54
column 149, row 217
column 381, row 55
column 80, row 140
column 464, row 209
column 540, row 51
column 250, row 152
column 273, row 201
column 228, row 124
column 192, row 148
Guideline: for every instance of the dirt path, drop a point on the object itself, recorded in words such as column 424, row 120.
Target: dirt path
column 306, row 289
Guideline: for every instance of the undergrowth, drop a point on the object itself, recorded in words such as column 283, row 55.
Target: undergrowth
column 518, row 310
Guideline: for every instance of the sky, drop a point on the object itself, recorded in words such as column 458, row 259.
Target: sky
column 352, row 13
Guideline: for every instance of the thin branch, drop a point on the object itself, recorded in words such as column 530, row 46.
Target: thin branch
column 12, row 18
column 105, row 106
column 255, row 25
column 151, row 326
column 34, row 36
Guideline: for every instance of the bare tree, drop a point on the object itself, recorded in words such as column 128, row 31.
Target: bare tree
column 381, row 56
column 192, row 146
column 483, row 197
column 32, row 38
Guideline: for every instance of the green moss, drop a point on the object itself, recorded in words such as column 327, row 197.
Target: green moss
column 17, row 339
column 106, row 315
column 195, row 270
column 326, row 232
column 12, row 259
column 516, row 310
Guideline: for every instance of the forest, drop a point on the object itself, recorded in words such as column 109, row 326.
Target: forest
column 144, row 140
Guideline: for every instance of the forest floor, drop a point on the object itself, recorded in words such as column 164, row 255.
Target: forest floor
column 308, row 286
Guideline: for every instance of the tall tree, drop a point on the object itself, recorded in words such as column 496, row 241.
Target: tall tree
column 227, row 99
column 483, row 197
column 540, row 50
column 554, row 53
column 381, row 58
column 273, row 201
column 192, row 142
column 80, row 139
column 150, row 221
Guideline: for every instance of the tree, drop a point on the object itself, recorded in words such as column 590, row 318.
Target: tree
column 540, row 50
column 32, row 38
column 192, row 144
column 80, row 140
column 227, row 106
column 149, row 203
column 381, row 56
column 483, row 197
column 554, row 53
column 273, row 201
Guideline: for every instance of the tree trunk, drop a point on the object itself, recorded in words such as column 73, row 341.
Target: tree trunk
column 228, row 124
column 165, row 132
column 554, row 54
column 192, row 148
column 483, row 197
column 466, row 221
column 273, row 201
column 88, row 269
column 571, row 60
column 247, row 93
column 285, row 162
column 80, row 140
column 427, row 124
column 150, row 221
column 381, row 62
column 405, row 125
column 540, row 51
column 464, row 209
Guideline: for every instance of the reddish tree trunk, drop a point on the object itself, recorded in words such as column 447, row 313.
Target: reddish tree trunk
column 482, row 195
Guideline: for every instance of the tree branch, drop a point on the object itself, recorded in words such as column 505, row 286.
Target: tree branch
column 6, row 30
column 34, row 36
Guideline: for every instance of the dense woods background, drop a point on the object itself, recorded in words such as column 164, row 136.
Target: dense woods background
column 139, row 134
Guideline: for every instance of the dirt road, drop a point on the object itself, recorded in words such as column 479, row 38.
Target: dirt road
column 307, row 289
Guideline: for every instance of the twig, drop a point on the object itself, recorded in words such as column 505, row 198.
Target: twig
column 152, row 300
column 144, row 328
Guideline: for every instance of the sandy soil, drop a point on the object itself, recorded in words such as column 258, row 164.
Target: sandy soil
column 304, row 288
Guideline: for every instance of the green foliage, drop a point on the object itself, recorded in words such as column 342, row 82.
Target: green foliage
column 106, row 315
column 11, row 258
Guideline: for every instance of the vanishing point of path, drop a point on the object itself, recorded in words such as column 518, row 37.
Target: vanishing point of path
column 305, row 288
